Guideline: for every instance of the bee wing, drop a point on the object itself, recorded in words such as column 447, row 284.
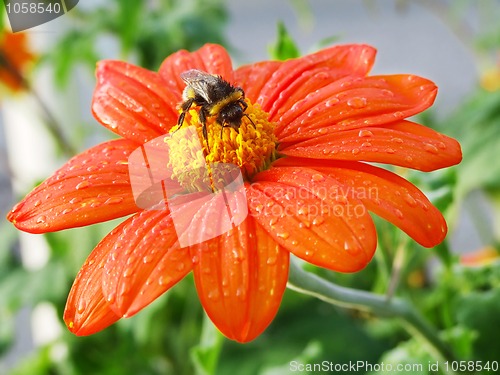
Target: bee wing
column 200, row 82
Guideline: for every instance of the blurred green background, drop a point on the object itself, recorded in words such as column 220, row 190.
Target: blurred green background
column 454, row 286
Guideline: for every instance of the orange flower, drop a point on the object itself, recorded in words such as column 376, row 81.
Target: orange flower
column 316, row 120
column 14, row 57
column 479, row 257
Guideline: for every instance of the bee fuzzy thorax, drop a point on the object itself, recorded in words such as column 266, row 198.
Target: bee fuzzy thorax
column 235, row 96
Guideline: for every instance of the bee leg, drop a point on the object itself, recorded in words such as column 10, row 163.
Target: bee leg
column 245, row 106
column 222, row 129
column 248, row 117
column 185, row 107
column 203, row 120
column 181, row 120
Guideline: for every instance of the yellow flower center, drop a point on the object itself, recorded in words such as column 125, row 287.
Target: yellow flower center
column 252, row 148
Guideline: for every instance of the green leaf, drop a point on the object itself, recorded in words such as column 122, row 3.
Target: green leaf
column 130, row 16
column 408, row 358
column 284, row 47
column 480, row 311
column 75, row 47
column 205, row 355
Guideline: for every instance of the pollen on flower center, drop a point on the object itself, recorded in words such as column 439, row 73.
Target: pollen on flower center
column 252, row 148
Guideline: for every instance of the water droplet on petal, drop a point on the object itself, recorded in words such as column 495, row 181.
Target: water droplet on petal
column 317, row 177
column 96, row 203
column 431, row 148
column 82, row 185
column 37, row 203
column 303, row 210
column 161, row 280
column 213, row 295
column 271, row 260
column 425, row 206
column 147, row 259
column 398, row 213
column 390, row 150
column 283, row 235
column 128, row 272
column 365, row 133
column 346, row 84
column 387, row 93
column 410, row 200
column 42, row 219
column 82, row 305
column 355, row 151
column 75, row 200
column 305, row 224
column 241, row 293
column 111, row 298
column 318, row 220
column 114, row 200
column 441, row 145
column 331, row 102
column 181, row 266
column 399, row 114
column 357, row 103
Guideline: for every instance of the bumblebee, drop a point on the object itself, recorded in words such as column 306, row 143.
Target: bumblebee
column 215, row 97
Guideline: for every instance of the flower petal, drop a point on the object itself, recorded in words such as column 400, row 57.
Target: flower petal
column 387, row 195
column 401, row 143
column 90, row 188
column 144, row 261
column 338, row 61
column 133, row 102
column 210, row 58
column 86, row 310
column 240, row 277
column 304, row 212
column 355, row 102
column 254, row 77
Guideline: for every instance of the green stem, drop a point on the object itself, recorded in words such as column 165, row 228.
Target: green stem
column 308, row 283
column 54, row 128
